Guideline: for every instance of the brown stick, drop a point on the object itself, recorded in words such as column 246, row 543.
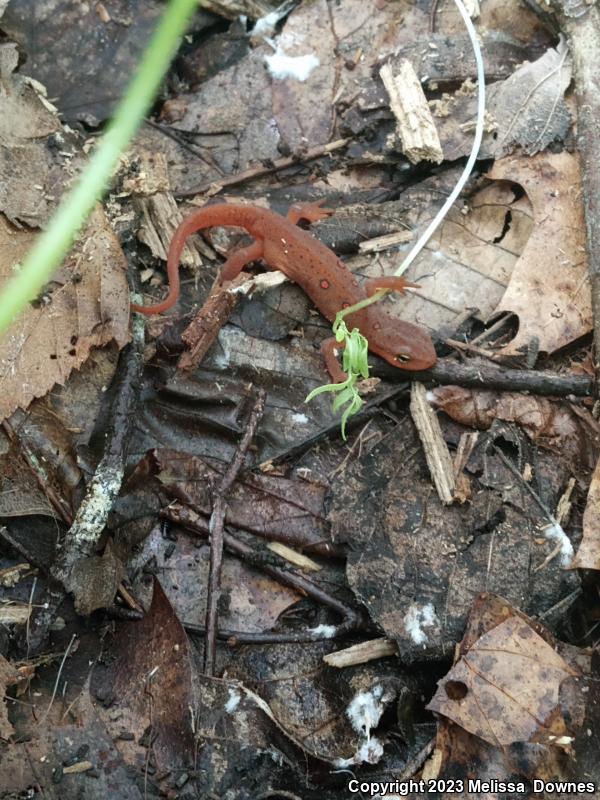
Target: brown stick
column 188, row 516
column 204, row 328
column 580, row 22
column 479, row 374
column 216, row 527
column 214, row 187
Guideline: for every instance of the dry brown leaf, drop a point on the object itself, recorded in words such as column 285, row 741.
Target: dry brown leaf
column 505, row 689
column 462, row 753
column 529, row 106
column 469, row 262
column 8, row 676
column 549, row 289
column 88, row 306
column 151, row 655
column 37, row 157
column 548, row 423
column 588, row 554
column 527, row 110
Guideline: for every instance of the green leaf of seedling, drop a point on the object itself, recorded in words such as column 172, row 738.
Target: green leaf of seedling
column 353, row 408
column 345, row 396
column 355, row 364
column 356, row 353
column 327, row 387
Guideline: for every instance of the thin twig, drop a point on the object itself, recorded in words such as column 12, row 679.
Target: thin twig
column 543, row 507
column 214, row 187
column 178, row 136
column 416, row 762
column 500, row 323
column 432, row 14
column 190, row 516
column 485, row 375
column 56, row 682
column 216, row 527
column 30, row 611
column 469, row 347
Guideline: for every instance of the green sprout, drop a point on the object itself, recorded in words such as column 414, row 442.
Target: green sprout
column 355, row 366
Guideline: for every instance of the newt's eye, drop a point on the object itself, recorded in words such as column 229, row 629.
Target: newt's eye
column 402, row 357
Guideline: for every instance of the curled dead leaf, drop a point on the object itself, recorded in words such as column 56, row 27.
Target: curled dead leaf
column 550, row 424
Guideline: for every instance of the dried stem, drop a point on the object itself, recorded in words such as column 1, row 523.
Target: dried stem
column 216, row 527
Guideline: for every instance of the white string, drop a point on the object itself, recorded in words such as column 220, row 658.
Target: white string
column 431, row 228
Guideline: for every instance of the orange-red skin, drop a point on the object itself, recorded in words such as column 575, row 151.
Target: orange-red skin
column 322, row 275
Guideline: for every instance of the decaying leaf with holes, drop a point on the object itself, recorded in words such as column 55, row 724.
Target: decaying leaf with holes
column 459, row 752
column 505, row 689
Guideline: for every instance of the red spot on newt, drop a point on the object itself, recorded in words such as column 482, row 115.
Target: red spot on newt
column 275, row 238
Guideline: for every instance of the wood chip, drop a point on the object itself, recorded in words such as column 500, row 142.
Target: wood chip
column 415, row 127
column 294, row 557
column 385, row 242
column 436, row 450
column 80, row 766
column 361, row 653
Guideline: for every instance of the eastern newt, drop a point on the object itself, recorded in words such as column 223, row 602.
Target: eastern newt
column 313, row 266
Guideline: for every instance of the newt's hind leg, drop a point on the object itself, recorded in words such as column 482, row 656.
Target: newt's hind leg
column 237, row 261
column 393, row 282
column 329, row 350
column 311, row 212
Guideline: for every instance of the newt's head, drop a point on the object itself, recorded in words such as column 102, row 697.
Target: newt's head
column 404, row 345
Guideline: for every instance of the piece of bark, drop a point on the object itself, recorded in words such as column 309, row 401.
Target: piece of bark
column 385, row 242
column 436, row 450
column 157, row 208
column 204, row 328
column 415, row 127
column 361, row 653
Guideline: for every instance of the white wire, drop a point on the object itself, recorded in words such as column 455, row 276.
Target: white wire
column 431, row 228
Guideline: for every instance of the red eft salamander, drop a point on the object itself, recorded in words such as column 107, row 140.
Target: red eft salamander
column 313, row 266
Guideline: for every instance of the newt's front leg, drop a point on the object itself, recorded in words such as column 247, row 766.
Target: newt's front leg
column 311, row 212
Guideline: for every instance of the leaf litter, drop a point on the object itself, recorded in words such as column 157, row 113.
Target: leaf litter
column 417, row 567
